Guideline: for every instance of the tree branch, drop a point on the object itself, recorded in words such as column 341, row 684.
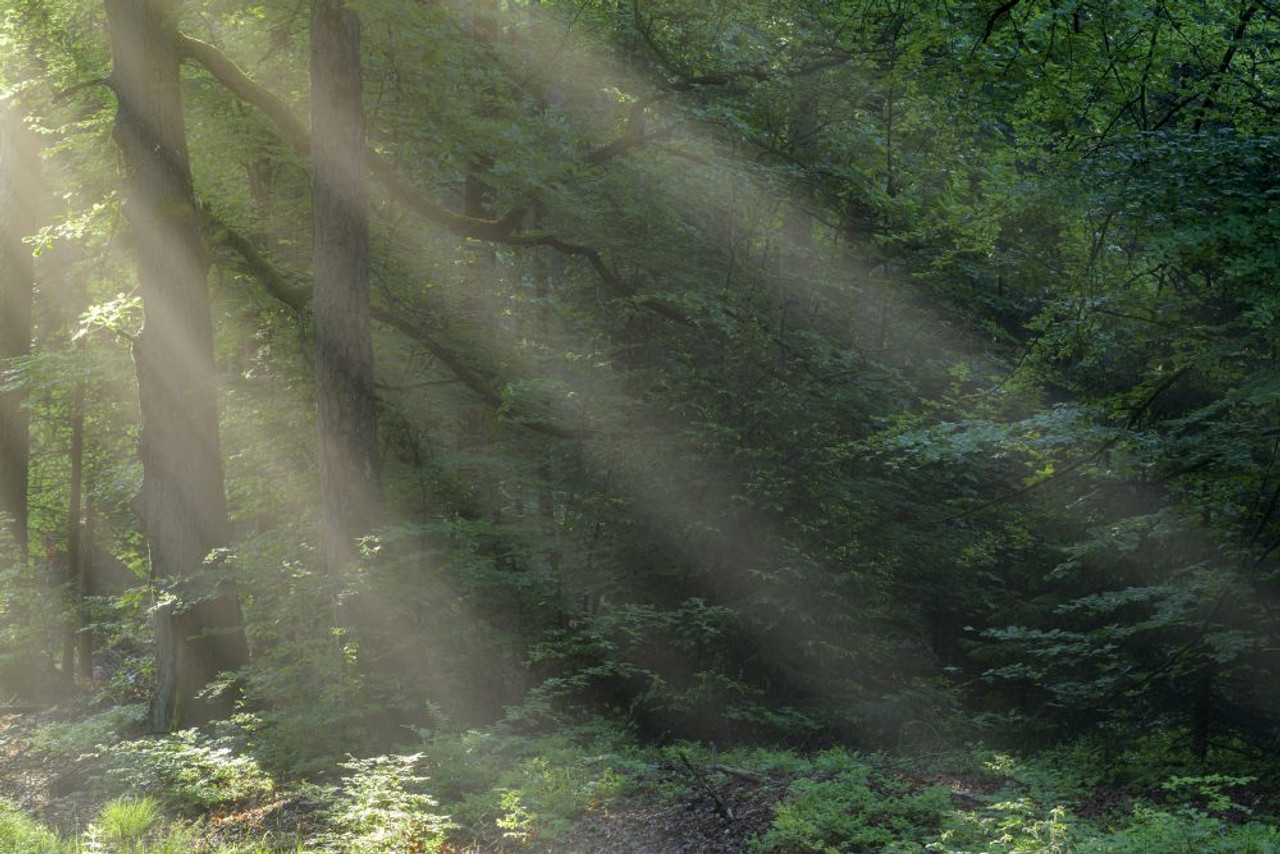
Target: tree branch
column 687, row 82
column 247, row 89
column 1135, row 413
column 761, row 75
column 505, row 230
column 71, row 91
column 469, row 377
column 1004, row 9
column 1246, row 15
column 628, row 141
column 254, row 263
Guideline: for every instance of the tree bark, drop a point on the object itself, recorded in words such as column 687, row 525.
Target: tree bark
column 802, row 129
column 1202, row 714
column 75, row 543
column 345, row 402
column 84, row 586
column 199, row 633
column 18, row 164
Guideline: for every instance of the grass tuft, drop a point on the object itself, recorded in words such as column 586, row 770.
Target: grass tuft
column 128, row 820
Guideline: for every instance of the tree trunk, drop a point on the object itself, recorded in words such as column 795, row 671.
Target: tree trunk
column 84, row 584
column 17, row 166
column 349, row 465
column 802, row 129
column 1202, row 714
column 75, row 544
column 198, row 634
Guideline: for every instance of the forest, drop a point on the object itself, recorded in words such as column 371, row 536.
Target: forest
column 768, row 426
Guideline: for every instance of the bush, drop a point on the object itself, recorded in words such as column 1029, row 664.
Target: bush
column 74, row 739
column 187, row 770
column 1187, row 833
column 851, row 812
column 381, row 809
column 1015, row 827
column 1010, row 827
column 528, row 787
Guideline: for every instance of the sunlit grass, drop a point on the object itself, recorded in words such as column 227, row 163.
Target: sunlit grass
column 21, row 835
column 123, row 826
column 126, row 821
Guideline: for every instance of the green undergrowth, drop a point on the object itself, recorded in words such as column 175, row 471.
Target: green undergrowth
column 502, row 790
column 1145, row 799
column 122, row 826
column 530, row 789
column 21, row 835
column 990, row 803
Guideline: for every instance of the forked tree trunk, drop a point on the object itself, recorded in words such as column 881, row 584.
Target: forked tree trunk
column 183, row 505
column 349, row 465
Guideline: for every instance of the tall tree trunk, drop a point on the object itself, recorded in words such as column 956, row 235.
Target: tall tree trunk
column 75, row 543
column 18, row 162
column 802, row 129
column 84, row 585
column 349, row 465
column 198, row 634
column 1202, row 713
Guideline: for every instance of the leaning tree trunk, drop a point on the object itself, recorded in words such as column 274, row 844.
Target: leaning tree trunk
column 17, row 277
column 199, row 633
column 349, row 469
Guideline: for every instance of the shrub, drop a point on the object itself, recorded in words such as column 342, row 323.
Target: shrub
column 528, row 787
column 1009, row 827
column 73, row 739
column 187, row 770
column 845, row 813
column 1186, row 833
column 381, row 809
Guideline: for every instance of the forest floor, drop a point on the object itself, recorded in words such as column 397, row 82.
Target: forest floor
column 680, row 805
column 32, row 780
column 570, row 795
column 707, row 818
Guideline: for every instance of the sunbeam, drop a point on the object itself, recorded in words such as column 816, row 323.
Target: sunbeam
column 555, row 425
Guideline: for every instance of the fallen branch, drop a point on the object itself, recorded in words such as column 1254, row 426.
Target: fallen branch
column 700, row 781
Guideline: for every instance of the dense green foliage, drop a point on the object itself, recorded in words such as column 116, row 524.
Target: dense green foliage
column 890, row 375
